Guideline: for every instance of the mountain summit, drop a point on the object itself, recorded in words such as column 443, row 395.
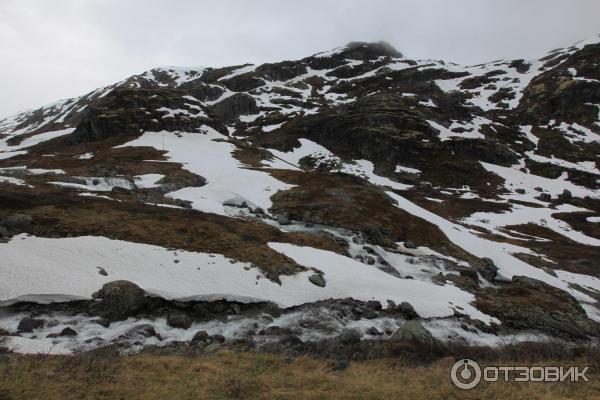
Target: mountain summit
column 323, row 200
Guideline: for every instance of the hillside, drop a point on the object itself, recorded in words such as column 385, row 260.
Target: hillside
column 324, row 200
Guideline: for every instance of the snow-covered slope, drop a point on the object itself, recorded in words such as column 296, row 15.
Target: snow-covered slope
column 471, row 193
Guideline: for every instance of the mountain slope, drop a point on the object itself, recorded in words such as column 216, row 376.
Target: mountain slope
column 471, row 193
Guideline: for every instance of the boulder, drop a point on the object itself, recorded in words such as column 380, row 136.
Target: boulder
column 17, row 222
column 349, row 336
column 28, row 324
column 119, row 300
column 488, row 270
column 373, row 331
column 68, row 331
column 141, row 331
column 179, row 320
column 409, row 244
column 413, row 331
column 317, row 280
column 201, row 337
column 407, row 310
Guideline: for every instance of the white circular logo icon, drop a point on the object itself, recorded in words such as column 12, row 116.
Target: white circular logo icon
column 465, row 374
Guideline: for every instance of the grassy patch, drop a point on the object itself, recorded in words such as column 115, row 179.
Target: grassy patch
column 230, row 375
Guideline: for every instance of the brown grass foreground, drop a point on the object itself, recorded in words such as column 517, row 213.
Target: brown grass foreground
column 233, row 375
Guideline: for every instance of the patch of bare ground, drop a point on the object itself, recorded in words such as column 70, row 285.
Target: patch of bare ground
column 452, row 207
column 349, row 202
column 58, row 213
column 578, row 221
column 564, row 253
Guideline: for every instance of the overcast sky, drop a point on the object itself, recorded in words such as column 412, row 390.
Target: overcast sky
column 53, row 49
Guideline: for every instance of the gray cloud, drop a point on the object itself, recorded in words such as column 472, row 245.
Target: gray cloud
column 63, row 48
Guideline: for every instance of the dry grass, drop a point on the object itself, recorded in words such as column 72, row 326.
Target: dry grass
column 229, row 375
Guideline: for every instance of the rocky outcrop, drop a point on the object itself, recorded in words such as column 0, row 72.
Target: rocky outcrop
column 530, row 304
column 118, row 300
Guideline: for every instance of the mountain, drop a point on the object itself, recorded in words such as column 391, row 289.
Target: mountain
column 324, row 200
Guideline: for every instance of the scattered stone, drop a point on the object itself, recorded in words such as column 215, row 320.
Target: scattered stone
column 17, row 222
column 143, row 331
column 349, row 336
column 373, row 331
column 413, row 331
column 409, row 244
column 520, row 191
column 317, row 280
column 545, row 197
column 119, row 300
column 201, row 337
column 291, row 341
column 102, row 322
column 120, row 190
column 489, row 270
column 282, row 219
column 566, row 195
column 68, row 331
column 470, row 273
column 369, row 260
column 4, row 232
column 28, row 324
column 407, row 310
column 218, row 338
column 179, row 320
column 102, row 271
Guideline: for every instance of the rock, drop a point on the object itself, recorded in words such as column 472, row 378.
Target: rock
column 566, row 195
column 470, row 273
column 4, row 232
column 102, row 271
column 520, row 191
column 291, row 341
column 233, row 106
column 409, row 245
column 119, row 300
column 179, row 320
column 282, row 219
column 413, row 331
column 545, row 197
column 17, row 222
column 199, row 311
column 258, row 210
column 530, row 304
column 277, row 331
column 373, row 331
column 218, row 338
column 488, row 270
column 317, row 280
column 102, row 322
column 120, row 190
column 201, row 337
column 349, row 336
column 141, row 331
column 28, row 324
column 407, row 310
column 369, row 260
column 68, row 331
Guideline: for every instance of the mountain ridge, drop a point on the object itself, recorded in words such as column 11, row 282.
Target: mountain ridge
column 468, row 193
